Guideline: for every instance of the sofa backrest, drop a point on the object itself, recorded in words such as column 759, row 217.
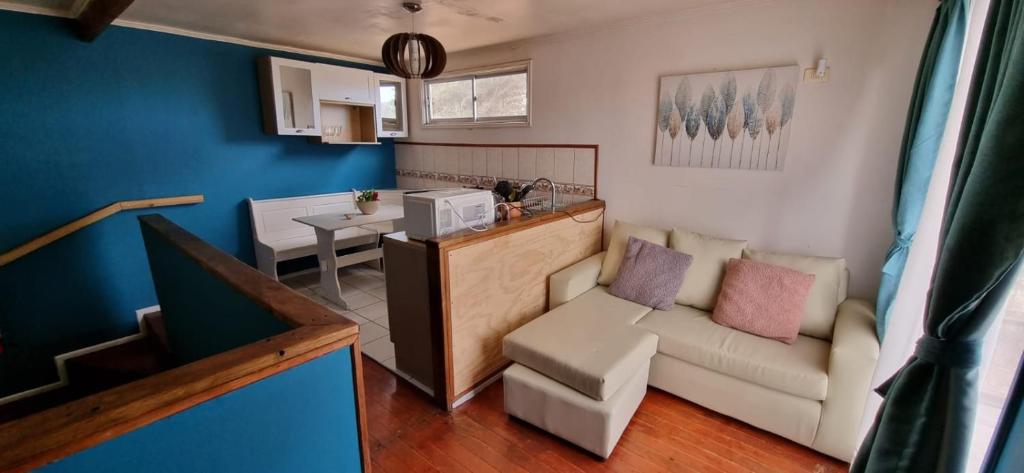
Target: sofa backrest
column 831, row 275
column 828, row 290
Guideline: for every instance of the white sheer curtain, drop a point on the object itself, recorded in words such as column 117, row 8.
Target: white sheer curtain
column 907, row 316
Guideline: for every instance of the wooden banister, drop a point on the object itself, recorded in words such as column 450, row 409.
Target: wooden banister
column 45, row 437
column 69, row 228
column 34, row 441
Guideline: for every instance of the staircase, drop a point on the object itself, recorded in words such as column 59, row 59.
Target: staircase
column 102, row 370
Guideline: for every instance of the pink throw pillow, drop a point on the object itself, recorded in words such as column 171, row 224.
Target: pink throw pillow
column 762, row 299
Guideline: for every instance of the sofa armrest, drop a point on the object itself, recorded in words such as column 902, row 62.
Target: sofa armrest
column 570, row 282
column 851, row 367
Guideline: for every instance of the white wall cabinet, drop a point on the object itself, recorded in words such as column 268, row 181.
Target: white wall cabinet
column 391, row 104
column 343, row 84
column 289, row 99
column 329, row 104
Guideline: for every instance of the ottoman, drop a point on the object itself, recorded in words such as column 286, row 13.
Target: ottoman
column 580, row 373
column 591, row 424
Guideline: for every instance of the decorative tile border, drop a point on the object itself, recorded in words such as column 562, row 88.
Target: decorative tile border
column 488, row 182
column 573, row 168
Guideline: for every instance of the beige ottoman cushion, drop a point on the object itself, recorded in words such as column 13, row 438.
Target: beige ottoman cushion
column 589, row 343
column 562, row 411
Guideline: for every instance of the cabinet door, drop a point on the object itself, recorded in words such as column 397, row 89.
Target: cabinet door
column 392, row 113
column 344, row 84
column 290, row 104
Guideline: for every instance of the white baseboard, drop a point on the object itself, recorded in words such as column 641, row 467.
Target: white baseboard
column 470, row 395
column 61, row 360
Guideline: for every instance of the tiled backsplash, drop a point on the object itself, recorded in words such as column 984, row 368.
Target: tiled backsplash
column 421, row 166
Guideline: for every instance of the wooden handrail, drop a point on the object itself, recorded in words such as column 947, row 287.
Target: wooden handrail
column 39, row 439
column 69, row 228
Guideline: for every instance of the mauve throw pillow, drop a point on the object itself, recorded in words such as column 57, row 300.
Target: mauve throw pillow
column 762, row 299
column 650, row 274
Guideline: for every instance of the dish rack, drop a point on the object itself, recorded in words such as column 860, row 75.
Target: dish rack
column 542, row 203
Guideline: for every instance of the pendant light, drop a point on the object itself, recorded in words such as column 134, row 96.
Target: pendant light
column 413, row 55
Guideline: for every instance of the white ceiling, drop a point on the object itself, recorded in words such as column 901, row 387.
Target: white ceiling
column 357, row 28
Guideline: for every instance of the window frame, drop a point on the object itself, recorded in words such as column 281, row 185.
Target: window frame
column 473, row 75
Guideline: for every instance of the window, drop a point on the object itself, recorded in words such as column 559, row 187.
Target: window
column 493, row 96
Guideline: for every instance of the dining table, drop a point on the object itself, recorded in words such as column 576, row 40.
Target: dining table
column 326, row 227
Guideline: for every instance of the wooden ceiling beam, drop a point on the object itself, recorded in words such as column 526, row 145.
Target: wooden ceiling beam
column 95, row 16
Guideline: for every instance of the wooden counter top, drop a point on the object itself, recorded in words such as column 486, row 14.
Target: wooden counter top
column 464, row 237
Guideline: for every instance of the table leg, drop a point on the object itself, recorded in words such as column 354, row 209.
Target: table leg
column 329, row 285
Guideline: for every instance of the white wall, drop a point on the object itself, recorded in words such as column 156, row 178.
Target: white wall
column 835, row 195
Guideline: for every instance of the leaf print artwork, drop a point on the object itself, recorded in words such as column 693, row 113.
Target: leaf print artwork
column 664, row 112
column 754, row 108
column 692, row 123
column 705, row 108
column 771, row 125
column 788, row 103
column 674, row 124
column 734, row 125
column 754, row 130
column 715, row 122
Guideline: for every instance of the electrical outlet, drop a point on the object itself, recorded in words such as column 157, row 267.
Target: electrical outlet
column 811, row 75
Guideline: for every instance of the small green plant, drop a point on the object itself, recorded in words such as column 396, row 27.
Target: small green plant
column 368, row 196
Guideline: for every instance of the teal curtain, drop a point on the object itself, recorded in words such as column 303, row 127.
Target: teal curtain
column 1005, row 454
column 926, row 121
column 927, row 414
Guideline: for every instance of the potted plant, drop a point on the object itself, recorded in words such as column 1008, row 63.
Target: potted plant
column 368, row 201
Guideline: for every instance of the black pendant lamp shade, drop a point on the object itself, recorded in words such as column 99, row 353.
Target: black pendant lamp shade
column 413, row 55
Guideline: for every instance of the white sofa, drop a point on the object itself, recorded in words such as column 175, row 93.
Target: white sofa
column 276, row 237
column 577, row 368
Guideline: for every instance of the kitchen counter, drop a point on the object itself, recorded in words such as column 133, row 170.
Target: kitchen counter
column 452, row 299
column 499, row 228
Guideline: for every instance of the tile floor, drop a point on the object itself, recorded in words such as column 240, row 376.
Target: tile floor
column 364, row 290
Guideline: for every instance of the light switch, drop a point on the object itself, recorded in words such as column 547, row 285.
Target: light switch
column 811, row 75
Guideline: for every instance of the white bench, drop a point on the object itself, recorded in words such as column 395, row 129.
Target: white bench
column 276, row 237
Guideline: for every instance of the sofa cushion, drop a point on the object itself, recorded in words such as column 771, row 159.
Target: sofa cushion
column 762, row 299
column 650, row 274
column 826, row 292
column 704, row 278
column 617, row 247
column 589, row 343
column 688, row 334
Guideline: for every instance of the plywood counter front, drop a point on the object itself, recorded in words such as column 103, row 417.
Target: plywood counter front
column 451, row 300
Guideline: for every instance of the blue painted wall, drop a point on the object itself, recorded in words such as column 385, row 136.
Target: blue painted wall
column 300, row 420
column 202, row 314
column 135, row 114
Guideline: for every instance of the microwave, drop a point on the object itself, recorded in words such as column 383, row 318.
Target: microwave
column 436, row 213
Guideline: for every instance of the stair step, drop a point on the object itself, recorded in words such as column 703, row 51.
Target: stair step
column 120, row 364
column 155, row 323
column 38, row 403
column 96, row 372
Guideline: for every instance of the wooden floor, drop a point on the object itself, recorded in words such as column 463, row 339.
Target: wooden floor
column 408, row 434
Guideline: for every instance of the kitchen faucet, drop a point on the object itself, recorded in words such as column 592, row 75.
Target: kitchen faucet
column 553, row 191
